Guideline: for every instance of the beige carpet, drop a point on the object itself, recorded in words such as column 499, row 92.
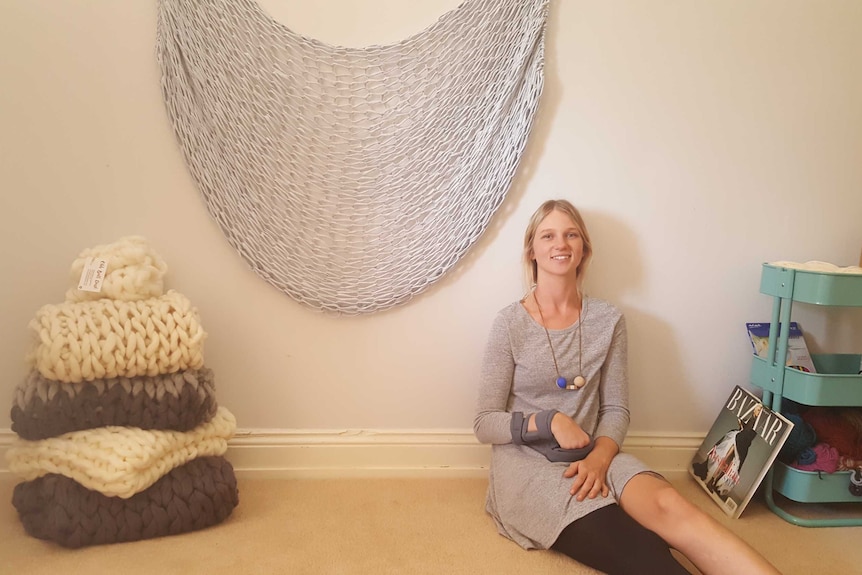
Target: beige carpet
column 383, row 526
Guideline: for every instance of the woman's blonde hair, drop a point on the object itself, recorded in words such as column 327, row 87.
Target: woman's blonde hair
column 566, row 207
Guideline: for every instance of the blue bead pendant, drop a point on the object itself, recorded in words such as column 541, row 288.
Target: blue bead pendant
column 561, row 382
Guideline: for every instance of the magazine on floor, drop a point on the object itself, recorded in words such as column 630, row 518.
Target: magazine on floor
column 738, row 450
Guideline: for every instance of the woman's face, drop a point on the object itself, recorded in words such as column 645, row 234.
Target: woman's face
column 558, row 247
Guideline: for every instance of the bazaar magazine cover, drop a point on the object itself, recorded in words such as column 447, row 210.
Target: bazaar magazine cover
column 738, row 450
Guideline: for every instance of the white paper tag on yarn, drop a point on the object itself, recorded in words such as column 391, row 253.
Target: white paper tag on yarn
column 93, row 274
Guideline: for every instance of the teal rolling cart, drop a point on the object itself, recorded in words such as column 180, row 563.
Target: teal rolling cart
column 836, row 383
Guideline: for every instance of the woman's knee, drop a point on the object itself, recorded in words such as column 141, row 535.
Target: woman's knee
column 671, row 516
column 657, row 505
column 674, row 509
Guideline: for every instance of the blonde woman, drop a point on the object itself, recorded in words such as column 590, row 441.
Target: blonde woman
column 553, row 402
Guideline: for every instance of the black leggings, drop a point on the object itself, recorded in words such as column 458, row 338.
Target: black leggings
column 611, row 541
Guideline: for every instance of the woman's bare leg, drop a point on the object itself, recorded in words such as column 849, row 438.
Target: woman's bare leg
column 714, row 549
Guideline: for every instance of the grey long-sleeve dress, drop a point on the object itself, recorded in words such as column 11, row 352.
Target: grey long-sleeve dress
column 528, row 497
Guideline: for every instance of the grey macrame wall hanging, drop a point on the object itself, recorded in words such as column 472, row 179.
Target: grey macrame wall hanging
column 351, row 179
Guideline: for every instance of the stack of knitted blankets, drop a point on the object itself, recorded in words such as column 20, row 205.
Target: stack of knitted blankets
column 120, row 434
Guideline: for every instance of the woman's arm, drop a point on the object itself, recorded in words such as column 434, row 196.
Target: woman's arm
column 493, row 424
column 614, row 415
column 591, row 473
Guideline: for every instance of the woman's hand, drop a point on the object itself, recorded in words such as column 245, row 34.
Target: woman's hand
column 568, row 433
column 591, row 472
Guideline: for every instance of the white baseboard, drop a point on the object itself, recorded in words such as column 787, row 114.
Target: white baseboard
column 394, row 453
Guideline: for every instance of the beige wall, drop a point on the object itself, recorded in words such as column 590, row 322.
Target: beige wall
column 700, row 138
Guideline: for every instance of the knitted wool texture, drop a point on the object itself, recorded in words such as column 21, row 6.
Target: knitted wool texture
column 134, row 271
column 818, row 266
column 848, row 463
column 853, row 417
column 119, row 461
column 106, row 338
column 806, row 457
column 180, row 401
column 836, row 426
column 198, row 494
column 825, row 459
column 802, row 437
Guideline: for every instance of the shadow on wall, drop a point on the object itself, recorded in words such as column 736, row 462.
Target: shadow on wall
column 617, row 275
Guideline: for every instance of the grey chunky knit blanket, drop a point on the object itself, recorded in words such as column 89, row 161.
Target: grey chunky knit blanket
column 179, row 401
column 196, row 495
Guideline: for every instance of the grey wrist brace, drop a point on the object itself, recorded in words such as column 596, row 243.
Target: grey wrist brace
column 520, row 435
column 542, row 440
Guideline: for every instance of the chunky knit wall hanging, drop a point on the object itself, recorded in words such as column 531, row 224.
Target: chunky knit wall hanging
column 351, row 178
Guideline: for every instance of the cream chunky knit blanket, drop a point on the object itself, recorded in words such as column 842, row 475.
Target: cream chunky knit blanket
column 134, row 271
column 119, row 461
column 87, row 340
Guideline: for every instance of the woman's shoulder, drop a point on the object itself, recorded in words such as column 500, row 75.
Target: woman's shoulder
column 510, row 313
column 512, row 316
column 513, row 324
column 603, row 308
column 511, row 308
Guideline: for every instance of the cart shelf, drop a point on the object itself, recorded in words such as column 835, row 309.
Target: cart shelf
column 838, row 382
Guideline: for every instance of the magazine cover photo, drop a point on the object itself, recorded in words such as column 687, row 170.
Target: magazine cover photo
column 738, row 450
